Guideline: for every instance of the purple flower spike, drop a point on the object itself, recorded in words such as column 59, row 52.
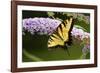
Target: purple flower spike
column 40, row 25
column 79, row 33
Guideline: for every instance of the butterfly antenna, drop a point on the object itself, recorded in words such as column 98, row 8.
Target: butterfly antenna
column 67, row 51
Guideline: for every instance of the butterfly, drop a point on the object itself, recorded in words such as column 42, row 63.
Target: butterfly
column 61, row 37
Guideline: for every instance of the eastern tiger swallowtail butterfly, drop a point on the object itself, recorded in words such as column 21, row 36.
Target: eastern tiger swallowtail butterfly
column 61, row 37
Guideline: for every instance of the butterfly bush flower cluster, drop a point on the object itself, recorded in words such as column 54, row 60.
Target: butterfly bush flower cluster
column 40, row 25
column 79, row 33
column 82, row 36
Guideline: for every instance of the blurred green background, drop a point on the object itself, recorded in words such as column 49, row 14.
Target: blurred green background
column 35, row 46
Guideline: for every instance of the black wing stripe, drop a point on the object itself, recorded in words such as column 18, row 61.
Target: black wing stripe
column 58, row 33
column 54, row 36
column 64, row 23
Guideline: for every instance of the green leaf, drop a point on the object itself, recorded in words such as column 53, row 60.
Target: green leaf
column 33, row 57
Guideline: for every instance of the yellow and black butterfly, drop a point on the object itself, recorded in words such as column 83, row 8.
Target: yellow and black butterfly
column 61, row 37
